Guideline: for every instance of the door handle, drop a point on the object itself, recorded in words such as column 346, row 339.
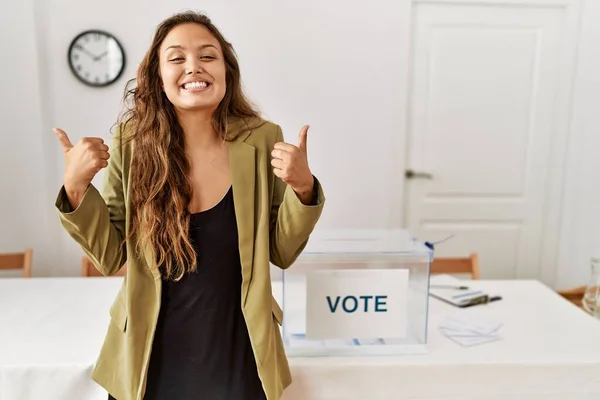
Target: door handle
column 410, row 174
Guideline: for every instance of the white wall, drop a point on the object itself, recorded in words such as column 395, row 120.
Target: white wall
column 287, row 52
column 580, row 239
column 25, row 212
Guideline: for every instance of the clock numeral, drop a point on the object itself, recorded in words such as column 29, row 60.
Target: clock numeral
column 97, row 36
column 79, row 68
column 78, row 46
column 75, row 57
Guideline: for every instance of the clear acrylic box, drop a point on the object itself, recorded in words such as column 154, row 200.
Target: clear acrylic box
column 356, row 292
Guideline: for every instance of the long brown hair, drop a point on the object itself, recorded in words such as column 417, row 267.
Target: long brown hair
column 160, row 192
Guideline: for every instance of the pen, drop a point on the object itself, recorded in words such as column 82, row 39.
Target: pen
column 481, row 300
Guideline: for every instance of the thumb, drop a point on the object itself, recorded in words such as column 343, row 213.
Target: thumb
column 302, row 137
column 63, row 139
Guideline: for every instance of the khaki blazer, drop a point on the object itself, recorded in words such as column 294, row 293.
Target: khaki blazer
column 273, row 227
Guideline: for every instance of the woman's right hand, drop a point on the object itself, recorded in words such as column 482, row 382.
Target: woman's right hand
column 83, row 161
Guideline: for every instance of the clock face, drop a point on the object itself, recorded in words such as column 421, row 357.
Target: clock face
column 96, row 58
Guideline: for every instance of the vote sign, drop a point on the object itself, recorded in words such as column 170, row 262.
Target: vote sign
column 357, row 303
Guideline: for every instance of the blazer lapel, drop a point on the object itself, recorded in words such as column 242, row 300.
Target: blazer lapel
column 242, row 160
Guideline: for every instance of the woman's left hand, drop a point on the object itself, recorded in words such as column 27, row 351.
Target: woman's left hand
column 290, row 164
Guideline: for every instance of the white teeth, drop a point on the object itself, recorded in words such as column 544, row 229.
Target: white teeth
column 195, row 85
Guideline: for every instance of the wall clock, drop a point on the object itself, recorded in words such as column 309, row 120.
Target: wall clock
column 96, row 58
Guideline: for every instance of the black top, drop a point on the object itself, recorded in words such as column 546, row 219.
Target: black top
column 201, row 349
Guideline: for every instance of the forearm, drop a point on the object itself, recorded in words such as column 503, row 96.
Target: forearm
column 293, row 224
column 74, row 195
column 100, row 234
column 309, row 196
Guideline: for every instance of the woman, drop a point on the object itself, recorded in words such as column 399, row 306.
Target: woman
column 199, row 195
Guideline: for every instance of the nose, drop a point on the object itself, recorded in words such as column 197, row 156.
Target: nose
column 193, row 66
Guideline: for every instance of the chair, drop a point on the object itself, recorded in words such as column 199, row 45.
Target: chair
column 469, row 265
column 88, row 269
column 574, row 295
column 17, row 261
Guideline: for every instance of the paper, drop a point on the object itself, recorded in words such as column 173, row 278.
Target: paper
column 470, row 331
column 356, row 303
column 300, row 340
column 460, row 293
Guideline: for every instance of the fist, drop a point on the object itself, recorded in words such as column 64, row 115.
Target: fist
column 83, row 160
column 290, row 164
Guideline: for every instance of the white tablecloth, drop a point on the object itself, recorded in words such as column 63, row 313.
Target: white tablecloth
column 51, row 330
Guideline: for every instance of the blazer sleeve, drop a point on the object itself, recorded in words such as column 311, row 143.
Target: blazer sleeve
column 291, row 221
column 98, row 224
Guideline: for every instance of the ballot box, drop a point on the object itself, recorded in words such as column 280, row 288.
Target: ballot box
column 357, row 292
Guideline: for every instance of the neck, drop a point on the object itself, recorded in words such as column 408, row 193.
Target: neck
column 198, row 130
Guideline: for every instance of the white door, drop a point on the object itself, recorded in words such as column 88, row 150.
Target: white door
column 487, row 122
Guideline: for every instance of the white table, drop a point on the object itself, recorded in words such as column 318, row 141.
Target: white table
column 550, row 350
column 51, row 330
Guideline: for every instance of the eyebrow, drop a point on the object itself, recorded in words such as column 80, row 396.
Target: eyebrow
column 176, row 46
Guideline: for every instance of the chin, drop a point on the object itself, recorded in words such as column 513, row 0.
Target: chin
column 197, row 107
column 196, row 104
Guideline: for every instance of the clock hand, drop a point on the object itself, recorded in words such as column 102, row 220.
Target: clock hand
column 97, row 58
column 87, row 52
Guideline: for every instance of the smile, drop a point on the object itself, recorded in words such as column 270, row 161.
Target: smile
column 196, row 86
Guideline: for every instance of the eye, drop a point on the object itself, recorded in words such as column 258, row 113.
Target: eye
column 207, row 58
column 177, row 59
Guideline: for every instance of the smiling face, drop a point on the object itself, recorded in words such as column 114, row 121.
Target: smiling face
column 192, row 68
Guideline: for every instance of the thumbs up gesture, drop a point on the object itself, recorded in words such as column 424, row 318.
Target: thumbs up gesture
column 290, row 164
column 83, row 161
